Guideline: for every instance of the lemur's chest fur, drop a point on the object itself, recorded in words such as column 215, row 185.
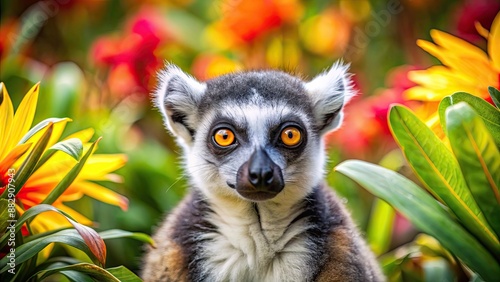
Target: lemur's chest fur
column 251, row 242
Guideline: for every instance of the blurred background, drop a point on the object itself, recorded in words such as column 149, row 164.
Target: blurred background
column 96, row 60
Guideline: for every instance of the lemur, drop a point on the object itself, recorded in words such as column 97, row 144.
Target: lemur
column 257, row 208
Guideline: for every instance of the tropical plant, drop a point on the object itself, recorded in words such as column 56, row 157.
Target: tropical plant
column 37, row 174
column 463, row 177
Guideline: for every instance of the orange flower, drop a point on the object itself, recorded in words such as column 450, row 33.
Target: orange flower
column 249, row 19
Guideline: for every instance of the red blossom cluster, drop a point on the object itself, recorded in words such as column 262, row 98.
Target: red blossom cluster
column 132, row 57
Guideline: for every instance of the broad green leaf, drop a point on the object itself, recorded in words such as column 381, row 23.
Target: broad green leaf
column 31, row 249
column 124, row 274
column 70, row 177
column 117, row 233
column 439, row 171
column 41, row 125
column 91, row 238
column 489, row 114
column 478, row 157
column 495, row 95
column 26, row 168
column 424, row 212
column 97, row 273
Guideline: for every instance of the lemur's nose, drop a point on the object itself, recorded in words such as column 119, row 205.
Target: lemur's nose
column 259, row 178
column 260, row 169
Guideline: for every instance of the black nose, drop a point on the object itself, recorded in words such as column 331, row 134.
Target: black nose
column 260, row 176
column 261, row 169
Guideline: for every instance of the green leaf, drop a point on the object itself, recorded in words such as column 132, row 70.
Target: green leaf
column 41, row 125
column 478, row 157
column 73, row 147
column 117, row 233
column 489, row 114
column 70, row 177
column 124, row 274
column 424, row 212
column 495, row 95
column 26, row 168
column 58, row 262
column 439, row 171
column 31, row 249
column 91, row 238
column 92, row 270
column 4, row 215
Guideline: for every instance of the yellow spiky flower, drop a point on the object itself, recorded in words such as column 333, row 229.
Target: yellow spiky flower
column 15, row 146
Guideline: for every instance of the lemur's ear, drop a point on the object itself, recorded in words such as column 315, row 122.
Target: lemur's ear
column 329, row 92
column 178, row 96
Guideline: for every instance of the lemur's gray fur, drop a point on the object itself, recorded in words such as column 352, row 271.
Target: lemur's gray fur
column 257, row 209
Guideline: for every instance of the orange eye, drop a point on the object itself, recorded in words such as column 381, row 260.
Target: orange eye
column 224, row 137
column 291, row 136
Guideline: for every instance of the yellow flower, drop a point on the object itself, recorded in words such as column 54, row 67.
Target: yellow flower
column 15, row 146
column 465, row 67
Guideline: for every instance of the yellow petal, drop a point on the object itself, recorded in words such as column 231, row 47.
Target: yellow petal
column 6, row 116
column 24, row 115
column 98, row 166
column 494, row 45
column 84, row 135
column 458, row 46
column 101, row 193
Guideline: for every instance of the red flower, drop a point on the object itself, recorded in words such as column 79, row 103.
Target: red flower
column 131, row 57
column 472, row 11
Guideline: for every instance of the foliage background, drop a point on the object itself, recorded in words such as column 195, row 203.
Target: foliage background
column 97, row 58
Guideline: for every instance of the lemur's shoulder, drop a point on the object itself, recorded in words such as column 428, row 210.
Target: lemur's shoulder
column 348, row 258
column 340, row 252
column 169, row 260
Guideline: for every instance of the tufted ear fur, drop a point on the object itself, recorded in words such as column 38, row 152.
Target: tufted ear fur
column 329, row 92
column 178, row 96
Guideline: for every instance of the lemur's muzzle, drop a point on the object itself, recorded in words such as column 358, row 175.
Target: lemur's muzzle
column 259, row 178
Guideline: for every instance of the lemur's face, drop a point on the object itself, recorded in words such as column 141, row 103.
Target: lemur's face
column 255, row 136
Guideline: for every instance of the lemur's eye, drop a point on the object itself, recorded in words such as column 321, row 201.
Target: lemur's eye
column 291, row 136
column 224, row 137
